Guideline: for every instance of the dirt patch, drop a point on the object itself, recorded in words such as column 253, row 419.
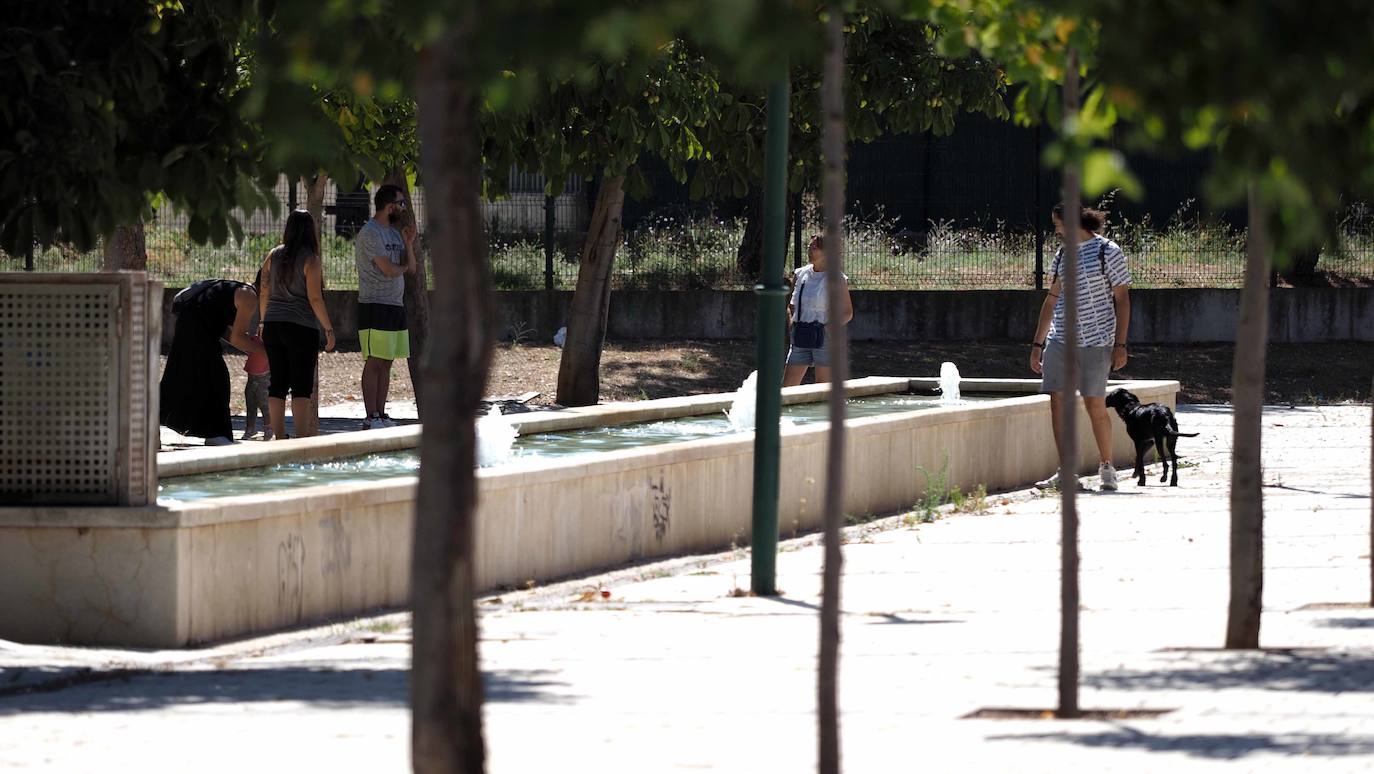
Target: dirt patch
column 1303, row 374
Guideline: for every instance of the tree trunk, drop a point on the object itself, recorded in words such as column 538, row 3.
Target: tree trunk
column 315, row 188
column 1302, row 269
column 446, row 680
column 1068, row 425
column 833, row 150
column 1247, row 401
column 749, row 255
column 416, row 291
column 127, row 248
column 579, row 372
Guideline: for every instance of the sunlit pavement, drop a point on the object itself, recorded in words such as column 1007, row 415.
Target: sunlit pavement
column 674, row 673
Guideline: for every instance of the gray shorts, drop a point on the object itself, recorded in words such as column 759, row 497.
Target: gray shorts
column 807, row 356
column 1094, row 366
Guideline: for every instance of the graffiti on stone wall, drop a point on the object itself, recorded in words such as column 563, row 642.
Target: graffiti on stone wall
column 290, row 577
column 336, row 545
column 661, row 506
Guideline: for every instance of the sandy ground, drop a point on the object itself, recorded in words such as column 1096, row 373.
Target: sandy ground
column 638, row 370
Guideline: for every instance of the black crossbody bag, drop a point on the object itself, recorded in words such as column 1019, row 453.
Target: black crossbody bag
column 806, row 335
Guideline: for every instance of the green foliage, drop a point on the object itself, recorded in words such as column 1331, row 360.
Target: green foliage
column 1280, row 89
column 379, row 134
column 111, row 108
column 599, row 120
column 1034, row 40
column 896, row 82
column 938, row 493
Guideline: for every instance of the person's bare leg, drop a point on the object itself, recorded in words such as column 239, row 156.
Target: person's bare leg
column 277, row 408
column 792, row 375
column 822, row 374
column 300, row 411
column 384, row 385
column 1055, row 403
column 367, row 388
column 372, row 378
column 1102, row 426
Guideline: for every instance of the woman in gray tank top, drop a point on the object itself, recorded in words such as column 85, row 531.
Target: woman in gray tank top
column 292, row 312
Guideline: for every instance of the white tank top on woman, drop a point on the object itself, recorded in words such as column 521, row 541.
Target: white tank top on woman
column 813, row 305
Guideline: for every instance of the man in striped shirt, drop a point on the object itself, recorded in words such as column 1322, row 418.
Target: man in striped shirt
column 1104, row 313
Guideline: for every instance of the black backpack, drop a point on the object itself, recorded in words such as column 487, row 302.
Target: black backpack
column 190, row 293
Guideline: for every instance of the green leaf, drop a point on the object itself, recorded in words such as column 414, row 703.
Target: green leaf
column 1104, row 170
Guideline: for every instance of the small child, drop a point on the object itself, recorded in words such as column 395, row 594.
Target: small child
column 255, row 395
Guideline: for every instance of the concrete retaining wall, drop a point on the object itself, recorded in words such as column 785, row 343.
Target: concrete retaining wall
column 1182, row 316
column 213, row 569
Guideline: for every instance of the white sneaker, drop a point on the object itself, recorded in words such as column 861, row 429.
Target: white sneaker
column 1053, row 482
column 1108, row 475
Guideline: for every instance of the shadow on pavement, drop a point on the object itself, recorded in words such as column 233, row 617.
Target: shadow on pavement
column 1335, row 672
column 1345, row 495
column 1210, row 745
column 319, row 687
column 1348, row 623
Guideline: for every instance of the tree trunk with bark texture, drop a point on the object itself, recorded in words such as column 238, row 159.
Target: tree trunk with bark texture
column 1069, row 645
column 446, row 680
column 1247, row 401
column 749, row 254
column 579, row 372
column 126, row 248
column 416, row 292
column 315, row 188
column 1302, row 269
column 833, row 152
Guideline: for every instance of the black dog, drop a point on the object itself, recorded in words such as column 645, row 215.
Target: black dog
column 1149, row 425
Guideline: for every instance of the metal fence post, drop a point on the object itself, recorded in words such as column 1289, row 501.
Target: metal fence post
column 772, row 295
column 549, row 223
column 1039, row 219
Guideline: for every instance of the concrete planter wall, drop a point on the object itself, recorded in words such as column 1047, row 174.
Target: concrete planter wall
column 213, row 569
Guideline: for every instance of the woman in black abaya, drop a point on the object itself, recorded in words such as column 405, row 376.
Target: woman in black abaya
column 194, row 392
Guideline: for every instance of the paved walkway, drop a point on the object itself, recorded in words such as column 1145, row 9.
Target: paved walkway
column 672, row 673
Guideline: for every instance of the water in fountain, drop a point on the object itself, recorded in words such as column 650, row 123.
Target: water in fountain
column 741, row 411
column 495, row 439
column 949, row 384
column 589, row 442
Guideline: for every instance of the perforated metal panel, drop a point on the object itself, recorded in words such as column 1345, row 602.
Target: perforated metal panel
column 74, row 391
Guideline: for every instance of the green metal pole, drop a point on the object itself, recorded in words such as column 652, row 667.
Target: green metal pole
column 772, row 330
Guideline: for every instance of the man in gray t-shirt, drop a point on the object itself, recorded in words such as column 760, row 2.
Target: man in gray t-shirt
column 383, row 256
column 376, row 240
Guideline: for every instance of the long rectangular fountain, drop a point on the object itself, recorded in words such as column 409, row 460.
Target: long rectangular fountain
column 292, row 547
